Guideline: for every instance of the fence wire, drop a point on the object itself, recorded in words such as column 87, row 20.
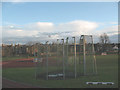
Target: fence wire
column 65, row 58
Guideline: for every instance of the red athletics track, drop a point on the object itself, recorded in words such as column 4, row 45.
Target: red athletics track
column 19, row 63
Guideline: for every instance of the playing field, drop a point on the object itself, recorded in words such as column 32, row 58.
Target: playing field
column 107, row 72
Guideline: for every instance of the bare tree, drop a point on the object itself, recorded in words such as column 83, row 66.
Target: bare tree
column 104, row 38
column 105, row 42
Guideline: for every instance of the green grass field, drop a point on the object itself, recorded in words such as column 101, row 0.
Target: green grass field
column 107, row 72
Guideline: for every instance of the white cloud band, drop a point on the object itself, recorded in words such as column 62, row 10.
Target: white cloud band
column 48, row 30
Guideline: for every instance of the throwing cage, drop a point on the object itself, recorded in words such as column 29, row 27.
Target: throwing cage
column 66, row 58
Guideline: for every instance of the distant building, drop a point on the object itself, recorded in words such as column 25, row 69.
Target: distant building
column 115, row 48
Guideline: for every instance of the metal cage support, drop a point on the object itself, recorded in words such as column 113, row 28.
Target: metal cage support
column 66, row 58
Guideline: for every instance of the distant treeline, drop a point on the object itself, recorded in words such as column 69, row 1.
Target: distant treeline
column 30, row 50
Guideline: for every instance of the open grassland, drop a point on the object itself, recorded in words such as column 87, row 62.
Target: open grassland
column 107, row 72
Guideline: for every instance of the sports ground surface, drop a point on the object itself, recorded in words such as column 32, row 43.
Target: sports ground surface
column 20, row 73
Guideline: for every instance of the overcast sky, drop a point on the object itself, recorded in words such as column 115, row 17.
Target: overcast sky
column 42, row 21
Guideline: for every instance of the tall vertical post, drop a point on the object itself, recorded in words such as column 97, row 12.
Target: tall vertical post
column 47, row 60
column 67, row 52
column 36, row 61
column 75, row 56
column 79, row 49
column 57, row 53
column 84, row 54
column 79, row 67
column 63, row 61
column 94, row 61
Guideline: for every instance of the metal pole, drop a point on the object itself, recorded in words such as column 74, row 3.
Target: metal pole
column 79, row 49
column 94, row 61
column 84, row 54
column 57, row 54
column 93, row 56
column 63, row 61
column 67, row 52
column 79, row 57
column 47, row 60
column 75, row 56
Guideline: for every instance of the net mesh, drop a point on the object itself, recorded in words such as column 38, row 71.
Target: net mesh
column 87, row 54
column 65, row 58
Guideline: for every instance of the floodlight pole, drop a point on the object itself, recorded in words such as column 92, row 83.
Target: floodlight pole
column 63, row 61
column 84, row 54
column 94, row 61
column 75, row 56
column 47, row 60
